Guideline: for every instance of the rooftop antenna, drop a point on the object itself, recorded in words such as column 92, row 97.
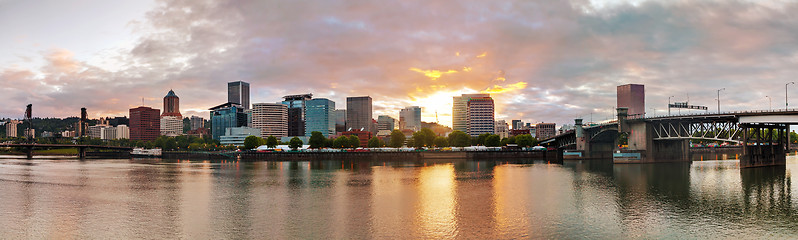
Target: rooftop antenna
column 142, row 101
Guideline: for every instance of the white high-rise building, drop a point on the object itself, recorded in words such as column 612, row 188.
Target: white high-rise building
column 171, row 126
column 410, row 118
column 11, row 128
column 271, row 119
column 122, row 132
column 460, row 111
column 502, row 129
column 97, row 131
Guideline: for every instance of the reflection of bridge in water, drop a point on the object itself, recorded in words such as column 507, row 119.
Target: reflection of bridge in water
column 763, row 135
column 81, row 148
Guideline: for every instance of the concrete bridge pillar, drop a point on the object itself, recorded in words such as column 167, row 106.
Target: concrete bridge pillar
column 29, row 152
column 82, row 152
column 582, row 141
column 764, row 145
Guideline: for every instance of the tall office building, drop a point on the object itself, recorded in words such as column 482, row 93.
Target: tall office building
column 340, row 120
column 633, row 97
column 460, row 111
column 238, row 93
column 410, row 118
column 197, row 122
column 319, row 116
column 228, row 115
column 480, row 116
column 171, row 105
column 358, row 113
column 385, row 123
column 271, row 119
column 518, row 124
column 545, row 130
column 296, row 113
column 502, row 129
column 145, row 123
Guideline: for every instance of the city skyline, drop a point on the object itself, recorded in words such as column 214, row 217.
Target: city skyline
column 549, row 62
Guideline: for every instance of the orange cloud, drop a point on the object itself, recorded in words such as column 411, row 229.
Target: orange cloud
column 432, row 74
column 507, row 88
column 466, row 69
column 484, row 54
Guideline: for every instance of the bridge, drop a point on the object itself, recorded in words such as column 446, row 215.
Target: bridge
column 81, row 148
column 763, row 135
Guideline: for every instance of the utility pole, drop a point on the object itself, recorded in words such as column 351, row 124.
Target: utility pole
column 719, row 98
column 770, row 100
column 786, row 103
column 669, row 105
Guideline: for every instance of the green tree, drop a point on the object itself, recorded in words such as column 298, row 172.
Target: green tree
column 419, row 140
column 317, row 140
column 251, row 142
column 375, row 142
column 482, row 137
column 329, row 142
column 295, row 143
column 354, row 141
column 397, row 139
column 428, row 136
column 459, row 139
column 525, row 140
column 441, row 142
column 271, row 142
column 509, row 140
column 341, row 142
column 493, row 141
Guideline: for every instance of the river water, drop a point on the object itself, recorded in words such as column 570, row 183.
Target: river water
column 495, row 199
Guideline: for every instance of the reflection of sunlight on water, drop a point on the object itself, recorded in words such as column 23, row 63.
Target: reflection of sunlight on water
column 436, row 202
column 510, row 202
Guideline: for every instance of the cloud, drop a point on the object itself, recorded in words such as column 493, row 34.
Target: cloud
column 546, row 61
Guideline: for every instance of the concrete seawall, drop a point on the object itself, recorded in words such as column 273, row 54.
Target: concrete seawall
column 375, row 156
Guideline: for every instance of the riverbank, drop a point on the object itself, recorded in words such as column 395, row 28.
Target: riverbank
column 381, row 156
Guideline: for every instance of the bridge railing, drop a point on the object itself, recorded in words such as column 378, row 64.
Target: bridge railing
column 692, row 114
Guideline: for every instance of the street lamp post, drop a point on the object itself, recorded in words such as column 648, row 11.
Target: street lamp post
column 669, row 105
column 719, row 98
column 786, row 103
column 770, row 100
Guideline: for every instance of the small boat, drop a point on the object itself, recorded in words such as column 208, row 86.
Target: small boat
column 141, row 152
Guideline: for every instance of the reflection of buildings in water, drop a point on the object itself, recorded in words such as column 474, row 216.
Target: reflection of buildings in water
column 196, row 186
column 230, row 208
column 392, row 205
column 154, row 203
column 647, row 191
column 475, row 199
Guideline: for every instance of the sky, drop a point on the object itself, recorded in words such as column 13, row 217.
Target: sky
column 542, row 61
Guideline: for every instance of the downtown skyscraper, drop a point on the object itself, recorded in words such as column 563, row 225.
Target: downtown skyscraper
column 358, row 113
column 238, row 93
column 320, row 117
column 296, row 113
column 460, row 111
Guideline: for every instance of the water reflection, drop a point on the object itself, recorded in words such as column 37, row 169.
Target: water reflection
column 413, row 199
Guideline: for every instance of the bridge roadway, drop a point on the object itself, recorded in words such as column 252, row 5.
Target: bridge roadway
column 81, row 148
column 763, row 134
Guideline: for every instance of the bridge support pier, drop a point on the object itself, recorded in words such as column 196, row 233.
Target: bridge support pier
column 764, row 145
column 641, row 141
column 82, row 152
column 29, row 152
